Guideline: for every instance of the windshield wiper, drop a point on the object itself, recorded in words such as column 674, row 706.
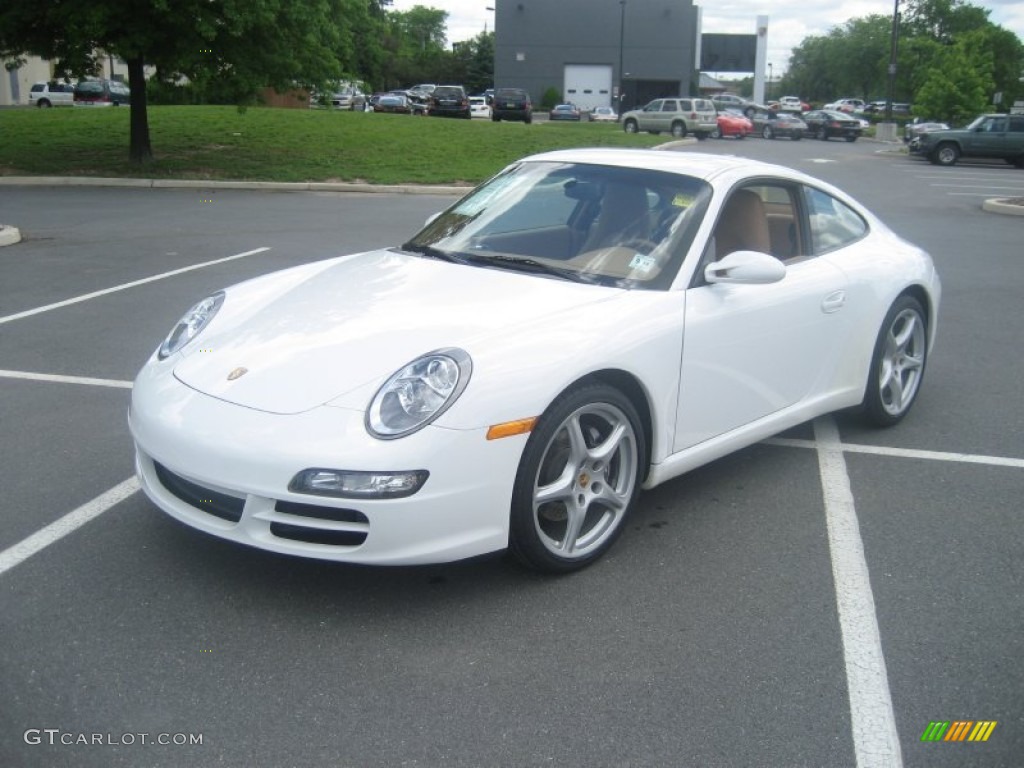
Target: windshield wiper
column 527, row 264
column 434, row 253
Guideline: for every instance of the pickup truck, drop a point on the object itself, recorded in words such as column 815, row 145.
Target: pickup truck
column 993, row 136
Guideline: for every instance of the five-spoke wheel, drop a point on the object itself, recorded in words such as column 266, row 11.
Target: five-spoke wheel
column 579, row 475
column 897, row 365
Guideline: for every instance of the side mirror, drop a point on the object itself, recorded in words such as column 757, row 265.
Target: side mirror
column 745, row 268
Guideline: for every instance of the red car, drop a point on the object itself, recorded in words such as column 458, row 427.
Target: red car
column 733, row 124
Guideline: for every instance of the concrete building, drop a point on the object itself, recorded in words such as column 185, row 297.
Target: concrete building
column 15, row 84
column 588, row 49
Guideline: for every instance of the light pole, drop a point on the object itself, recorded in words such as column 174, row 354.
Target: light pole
column 491, row 9
column 769, row 96
column 892, row 60
column 622, row 40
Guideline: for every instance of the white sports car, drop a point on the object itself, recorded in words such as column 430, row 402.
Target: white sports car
column 585, row 324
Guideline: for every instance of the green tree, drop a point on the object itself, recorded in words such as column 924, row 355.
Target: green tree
column 954, row 90
column 245, row 44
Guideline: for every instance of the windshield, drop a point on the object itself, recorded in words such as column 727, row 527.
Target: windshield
column 626, row 227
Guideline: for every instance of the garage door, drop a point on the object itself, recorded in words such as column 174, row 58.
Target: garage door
column 588, row 85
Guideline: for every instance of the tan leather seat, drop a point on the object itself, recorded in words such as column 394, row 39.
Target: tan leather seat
column 623, row 217
column 743, row 225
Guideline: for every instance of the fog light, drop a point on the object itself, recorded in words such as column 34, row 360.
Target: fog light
column 347, row 484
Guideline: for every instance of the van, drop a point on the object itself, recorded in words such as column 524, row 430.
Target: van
column 102, row 93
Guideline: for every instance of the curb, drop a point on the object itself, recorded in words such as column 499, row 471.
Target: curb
column 277, row 186
column 9, row 235
column 1003, row 206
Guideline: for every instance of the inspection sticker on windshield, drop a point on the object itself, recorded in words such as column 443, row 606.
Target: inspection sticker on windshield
column 642, row 263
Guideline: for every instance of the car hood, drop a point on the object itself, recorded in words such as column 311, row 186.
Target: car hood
column 307, row 336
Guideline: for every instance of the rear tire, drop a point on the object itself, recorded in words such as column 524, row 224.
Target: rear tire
column 897, row 364
column 679, row 130
column 767, row 132
column 821, row 135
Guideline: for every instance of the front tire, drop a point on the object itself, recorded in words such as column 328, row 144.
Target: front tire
column 946, row 154
column 767, row 132
column 897, row 364
column 578, row 478
column 630, row 126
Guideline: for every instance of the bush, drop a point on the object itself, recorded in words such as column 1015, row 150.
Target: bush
column 551, row 97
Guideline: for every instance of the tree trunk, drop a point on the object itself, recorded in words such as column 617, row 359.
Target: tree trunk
column 140, row 151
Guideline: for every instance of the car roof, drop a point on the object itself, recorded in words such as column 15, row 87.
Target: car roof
column 697, row 164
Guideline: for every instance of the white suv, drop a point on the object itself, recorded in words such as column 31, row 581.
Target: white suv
column 52, row 94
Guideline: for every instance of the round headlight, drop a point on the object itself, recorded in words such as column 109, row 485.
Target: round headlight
column 418, row 393
column 191, row 325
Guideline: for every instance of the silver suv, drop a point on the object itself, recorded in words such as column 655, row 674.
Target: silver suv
column 676, row 116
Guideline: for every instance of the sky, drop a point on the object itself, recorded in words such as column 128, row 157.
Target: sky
column 789, row 21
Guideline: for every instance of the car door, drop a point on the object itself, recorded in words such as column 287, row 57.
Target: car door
column 648, row 116
column 752, row 350
column 988, row 139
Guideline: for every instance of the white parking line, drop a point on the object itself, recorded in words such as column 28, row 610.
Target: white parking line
column 905, row 453
column 65, row 379
column 1017, row 187
column 123, row 286
column 875, row 739
column 73, row 520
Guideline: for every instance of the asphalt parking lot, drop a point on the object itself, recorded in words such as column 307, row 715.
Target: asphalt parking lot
column 816, row 600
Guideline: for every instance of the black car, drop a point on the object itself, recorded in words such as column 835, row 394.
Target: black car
column 449, row 101
column 512, row 104
column 825, row 123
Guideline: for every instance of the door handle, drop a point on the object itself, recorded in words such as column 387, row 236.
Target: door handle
column 833, row 302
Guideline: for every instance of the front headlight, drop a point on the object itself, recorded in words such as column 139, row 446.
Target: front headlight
column 418, row 393
column 191, row 325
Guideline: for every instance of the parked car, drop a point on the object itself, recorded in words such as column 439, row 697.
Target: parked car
column 676, row 116
column 878, row 108
column 784, row 125
column 602, row 115
column 478, row 106
column 914, row 129
column 449, row 101
column 349, row 96
column 101, row 93
column 394, row 102
column 991, row 136
column 845, row 105
column 647, row 312
column 732, row 123
column 732, row 101
column 792, row 104
column 51, row 94
column 512, row 104
column 564, row 112
column 824, row 124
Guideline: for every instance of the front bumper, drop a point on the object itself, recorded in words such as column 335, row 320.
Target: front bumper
column 224, row 469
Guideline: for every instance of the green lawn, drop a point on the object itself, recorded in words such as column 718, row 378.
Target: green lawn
column 284, row 144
